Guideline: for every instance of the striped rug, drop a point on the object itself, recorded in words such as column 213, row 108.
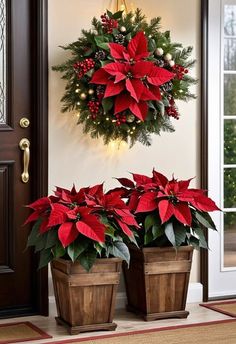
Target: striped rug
column 226, row 307
column 20, row 332
column 217, row 332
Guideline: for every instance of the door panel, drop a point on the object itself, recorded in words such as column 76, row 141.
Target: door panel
column 19, row 279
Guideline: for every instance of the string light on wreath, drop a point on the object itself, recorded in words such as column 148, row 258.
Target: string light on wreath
column 124, row 77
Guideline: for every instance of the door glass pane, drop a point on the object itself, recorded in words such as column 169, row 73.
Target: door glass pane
column 230, row 53
column 229, row 188
column 229, row 95
column 3, row 61
column 230, row 141
column 229, row 239
column 230, row 20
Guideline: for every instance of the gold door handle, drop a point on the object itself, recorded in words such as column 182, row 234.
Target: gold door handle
column 25, row 146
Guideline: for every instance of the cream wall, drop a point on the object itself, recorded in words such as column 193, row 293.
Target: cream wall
column 74, row 157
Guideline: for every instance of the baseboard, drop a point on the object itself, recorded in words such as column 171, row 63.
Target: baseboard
column 194, row 296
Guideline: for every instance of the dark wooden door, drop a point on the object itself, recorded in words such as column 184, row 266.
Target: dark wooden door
column 23, row 290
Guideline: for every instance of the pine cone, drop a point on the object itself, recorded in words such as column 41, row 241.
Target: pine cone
column 100, row 55
column 120, row 39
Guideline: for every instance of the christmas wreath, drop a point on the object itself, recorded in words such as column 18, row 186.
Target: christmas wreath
column 124, row 78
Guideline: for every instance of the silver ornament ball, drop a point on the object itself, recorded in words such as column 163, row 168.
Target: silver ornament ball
column 168, row 57
column 159, row 51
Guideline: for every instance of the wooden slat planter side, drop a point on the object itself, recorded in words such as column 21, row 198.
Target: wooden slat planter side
column 86, row 300
column 157, row 281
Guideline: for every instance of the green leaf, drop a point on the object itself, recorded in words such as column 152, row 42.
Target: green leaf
column 150, row 220
column 104, row 63
column 169, row 232
column 87, row 259
column 58, row 250
column 151, row 44
column 90, row 73
column 110, row 231
column 205, row 220
column 201, row 236
column 193, row 241
column 52, row 238
column 120, row 250
column 99, row 247
column 45, row 257
column 110, row 14
column 76, row 248
column 88, row 52
column 34, row 234
column 102, row 42
column 41, row 242
column 180, row 234
column 148, row 237
column 128, row 37
column 117, row 15
column 157, row 231
column 107, row 104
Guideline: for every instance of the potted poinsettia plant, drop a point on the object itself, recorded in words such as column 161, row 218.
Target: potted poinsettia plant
column 174, row 219
column 84, row 235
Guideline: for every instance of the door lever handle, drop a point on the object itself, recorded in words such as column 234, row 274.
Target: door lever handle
column 25, row 147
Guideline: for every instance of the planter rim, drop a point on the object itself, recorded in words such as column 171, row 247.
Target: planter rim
column 160, row 249
column 98, row 261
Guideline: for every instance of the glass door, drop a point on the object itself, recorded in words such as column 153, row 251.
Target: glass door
column 222, row 145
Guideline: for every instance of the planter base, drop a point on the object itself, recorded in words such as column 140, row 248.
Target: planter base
column 73, row 330
column 156, row 316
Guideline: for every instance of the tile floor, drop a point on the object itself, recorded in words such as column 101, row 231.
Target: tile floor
column 126, row 322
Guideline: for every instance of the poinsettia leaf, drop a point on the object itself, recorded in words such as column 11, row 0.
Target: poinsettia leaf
column 87, row 259
column 110, row 231
column 157, row 231
column 201, row 237
column 125, row 228
column 58, row 251
column 41, row 243
column 120, row 250
column 45, row 257
column 107, row 104
column 180, row 234
column 147, row 202
column 57, row 215
column 150, row 220
column 126, row 182
column 204, row 203
column 159, row 178
column 137, row 47
column 193, row 241
column 183, row 213
column 34, row 234
column 205, row 220
column 52, row 238
column 117, row 51
column 67, row 233
column 40, row 203
column 91, row 228
column 76, row 248
column 148, row 237
column 166, row 210
column 170, row 233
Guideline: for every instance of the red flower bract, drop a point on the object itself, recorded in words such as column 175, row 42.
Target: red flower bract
column 131, row 79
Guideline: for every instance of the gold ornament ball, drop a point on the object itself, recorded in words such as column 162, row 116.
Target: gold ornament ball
column 83, row 96
column 123, row 29
column 91, row 91
column 130, row 118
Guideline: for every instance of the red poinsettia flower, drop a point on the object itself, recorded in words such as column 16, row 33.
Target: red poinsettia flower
column 41, row 209
column 133, row 81
column 136, row 50
column 75, row 221
column 173, row 198
column 116, row 208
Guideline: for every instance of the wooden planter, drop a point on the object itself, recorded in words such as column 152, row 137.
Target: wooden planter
column 86, row 300
column 157, row 281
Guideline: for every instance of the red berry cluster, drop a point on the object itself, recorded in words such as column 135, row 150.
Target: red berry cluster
column 120, row 119
column 83, row 67
column 93, row 108
column 108, row 23
column 180, row 71
column 172, row 110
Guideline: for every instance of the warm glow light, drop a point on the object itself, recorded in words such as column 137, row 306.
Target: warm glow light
column 117, row 145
